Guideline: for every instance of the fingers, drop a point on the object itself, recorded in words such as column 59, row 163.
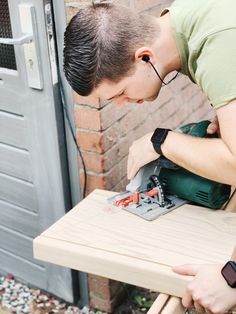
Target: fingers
column 131, row 168
column 141, row 152
column 213, row 127
column 131, row 174
column 187, row 300
column 187, row 269
column 200, row 309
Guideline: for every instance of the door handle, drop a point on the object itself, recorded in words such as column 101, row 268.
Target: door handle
column 28, row 22
column 30, row 44
column 25, row 39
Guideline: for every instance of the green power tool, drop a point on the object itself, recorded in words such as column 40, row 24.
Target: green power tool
column 179, row 181
column 162, row 186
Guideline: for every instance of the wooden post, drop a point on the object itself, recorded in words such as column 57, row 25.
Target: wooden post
column 159, row 304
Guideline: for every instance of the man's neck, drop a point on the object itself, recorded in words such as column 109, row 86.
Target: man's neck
column 165, row 46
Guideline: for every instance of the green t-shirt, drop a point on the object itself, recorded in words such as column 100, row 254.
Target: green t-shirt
column 205, row 32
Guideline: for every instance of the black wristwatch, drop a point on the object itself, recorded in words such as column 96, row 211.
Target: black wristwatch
column 158, row 139
column 229, row 273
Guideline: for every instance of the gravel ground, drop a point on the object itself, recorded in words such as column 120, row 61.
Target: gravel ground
column 18, row 298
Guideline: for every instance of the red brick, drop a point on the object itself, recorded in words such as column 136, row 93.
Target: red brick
column 115, row 287
column 132, row 119
column 121, row 186
column 111, row 157
column 104, row 293
column 169, row 109
column 110, row 137
column 99, row 286
column 70, row 12
column 96, row 141
column 116, row 153
column 103, row 288
column 116, row 174
column 90, row 100
column 180, row 83
column 90, row 141
column 87, row 118
column 93, row 182
column 93, row 162
column 106, row 305
column 164, row 97
column 111, row 113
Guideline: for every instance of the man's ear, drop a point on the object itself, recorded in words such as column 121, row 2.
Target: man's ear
column 145, row 51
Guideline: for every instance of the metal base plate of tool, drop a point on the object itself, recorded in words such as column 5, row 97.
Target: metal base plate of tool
column 148, row 210
column 145, row 196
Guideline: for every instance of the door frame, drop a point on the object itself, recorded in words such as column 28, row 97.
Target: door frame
column 72, row 153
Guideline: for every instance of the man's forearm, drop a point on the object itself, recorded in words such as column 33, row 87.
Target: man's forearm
column 207, row 157
column 233, row 257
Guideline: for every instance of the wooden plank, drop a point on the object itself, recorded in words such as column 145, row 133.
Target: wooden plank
column 18, row 192
column 166, row 304
column 13, row 130
column 99, row 238
column 15, row 162
column 173, row 306
column 159, row 304
column 107, row 264
column 19, row 219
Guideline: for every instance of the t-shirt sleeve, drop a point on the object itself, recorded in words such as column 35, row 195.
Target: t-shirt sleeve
column 216, row 67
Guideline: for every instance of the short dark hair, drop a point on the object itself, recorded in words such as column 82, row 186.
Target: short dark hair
column 100, row 42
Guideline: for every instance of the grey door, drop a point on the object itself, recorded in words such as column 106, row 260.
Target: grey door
column 34, row 184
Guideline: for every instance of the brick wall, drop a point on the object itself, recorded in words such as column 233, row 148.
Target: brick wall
column 105, row 132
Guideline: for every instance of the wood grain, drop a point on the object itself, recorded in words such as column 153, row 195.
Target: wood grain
column 105, row 240
column 173, row 306
column 159, row 304
column 166, row 304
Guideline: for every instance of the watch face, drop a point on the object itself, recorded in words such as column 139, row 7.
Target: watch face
column 229, row 273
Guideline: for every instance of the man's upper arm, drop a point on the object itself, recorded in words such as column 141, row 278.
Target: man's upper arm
column 216, row 67
column 227, row 121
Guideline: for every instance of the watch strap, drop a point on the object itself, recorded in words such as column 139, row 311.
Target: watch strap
column 229, row 273
column 158, row 139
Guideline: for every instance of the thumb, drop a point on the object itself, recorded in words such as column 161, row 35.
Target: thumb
column 187, row 269
column 213, row 126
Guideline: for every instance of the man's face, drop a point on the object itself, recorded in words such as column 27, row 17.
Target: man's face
column 142, row 86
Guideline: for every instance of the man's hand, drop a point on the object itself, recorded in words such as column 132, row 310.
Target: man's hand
column 141, row 152
column 214, row 127
column 208, row 292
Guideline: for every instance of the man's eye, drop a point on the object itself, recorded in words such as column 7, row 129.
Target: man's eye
column 114, row 97
column 121, row 94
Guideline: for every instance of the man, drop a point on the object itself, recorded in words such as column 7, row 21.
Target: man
column 115, row 54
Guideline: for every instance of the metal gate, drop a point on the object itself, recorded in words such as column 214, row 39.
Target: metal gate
column 34, row 181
